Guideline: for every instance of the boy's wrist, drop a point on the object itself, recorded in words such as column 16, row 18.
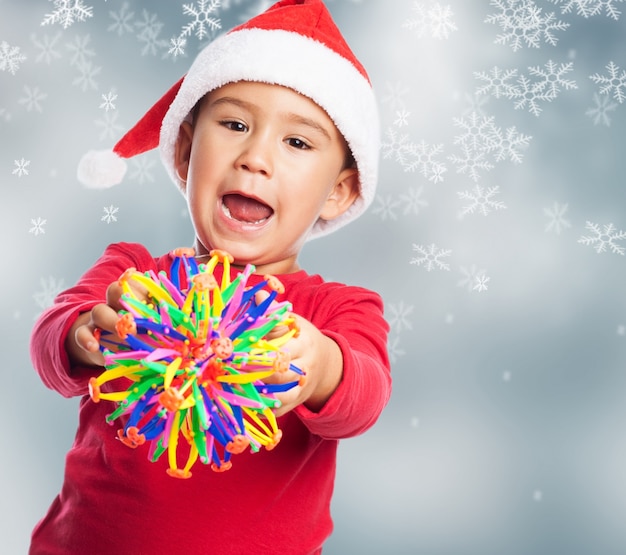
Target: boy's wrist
column 330, row 372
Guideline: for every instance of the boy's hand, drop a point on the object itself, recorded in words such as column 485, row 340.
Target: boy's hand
column 316, row 354
column 82, row 343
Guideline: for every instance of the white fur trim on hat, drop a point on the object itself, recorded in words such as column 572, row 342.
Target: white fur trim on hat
column 303, row 64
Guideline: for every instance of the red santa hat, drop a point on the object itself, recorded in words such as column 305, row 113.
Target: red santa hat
column 296, row 44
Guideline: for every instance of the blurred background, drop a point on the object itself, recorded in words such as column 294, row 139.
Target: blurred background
column 497, row 240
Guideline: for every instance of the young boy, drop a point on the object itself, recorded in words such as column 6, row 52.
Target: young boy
column 272, row 138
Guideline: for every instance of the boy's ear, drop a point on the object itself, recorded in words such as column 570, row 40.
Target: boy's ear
column 343, row 194
column 182, row 153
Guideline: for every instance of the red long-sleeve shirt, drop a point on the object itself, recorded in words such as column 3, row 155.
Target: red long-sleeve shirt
column 114, row 500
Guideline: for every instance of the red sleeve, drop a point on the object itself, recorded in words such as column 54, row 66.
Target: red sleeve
column 47, row 341
column 353, row 318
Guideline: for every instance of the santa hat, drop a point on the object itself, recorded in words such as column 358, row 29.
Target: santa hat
column 296, row 44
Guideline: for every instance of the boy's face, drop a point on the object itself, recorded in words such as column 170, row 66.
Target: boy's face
column 259, row 166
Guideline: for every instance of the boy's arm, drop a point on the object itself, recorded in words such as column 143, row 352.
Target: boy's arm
column 352, row 318
column 51, row 333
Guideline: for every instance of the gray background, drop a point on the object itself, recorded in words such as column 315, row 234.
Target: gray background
column 505, row 433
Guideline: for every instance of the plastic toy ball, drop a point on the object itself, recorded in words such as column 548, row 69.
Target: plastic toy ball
column 196, row 354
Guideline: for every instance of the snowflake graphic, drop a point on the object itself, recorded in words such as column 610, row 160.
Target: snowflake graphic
column 142, row 169
column 203, row 23
column 542, row 84
column 475, row 103
column 177, row 47
column 32, row 99
column 50, row 288
column 589, row 8
column 604, row 238
column 614, row 83
column 149, row 29
column 394, row 95
column 478, row 138
column 86, row 79
column 557, row 218
column 481, row 200
column 412, row 201
column 470, row 276
column 110, row 126
column 80, row 51
column 37, row 228
column 122, row 20
column 402, row 118
column 393, row 348
column 433, row 19
column 430, row 257
column 508, row 145
column 414, row 156
column 599, row 112
column 47, row 48
column 398, row 316
column 497, row 82
column 386, row 207
column 110, row 214
column 480, row 283
column 523, row 23
column 21, row 167
column 108, row 101
column 67, row 12
column 10, row 57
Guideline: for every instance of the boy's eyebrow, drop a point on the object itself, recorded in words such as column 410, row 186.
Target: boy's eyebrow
column 296, row 118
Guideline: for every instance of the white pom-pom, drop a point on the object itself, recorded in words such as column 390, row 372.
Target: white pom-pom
column 100, row 169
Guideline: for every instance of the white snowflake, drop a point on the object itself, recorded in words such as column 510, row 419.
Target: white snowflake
column 393, row 348
column 177, row 47
column 614, row 83
column 149, row 30
column 108, row 101
column 80, row 51
column 497, row 82
column 110, row 214
column 32, row 99
column 599, row 112
column 10, row 57
column 508, row 145
column 557, row 218
column 551, row 76
column 47, row 48
column 529, row 94
column 122, row 20
column 37, row 226
column 431, row 18
column 67, row 12
column 110, row 126
column 21, row 167
column 412, row 200
column 475, row 103
column 478, row 138
column 203, row 23
column 50, row 288
column 402, row 118
column 481, row 200
column 480, row 283
column 589, row 8
column 385, row 207
column 469, row 277
column 430, row 257
column 394, row 95
column 398, row 317
column 523, row 23
column 604, row 238
column 86, row 79
column 142, row 169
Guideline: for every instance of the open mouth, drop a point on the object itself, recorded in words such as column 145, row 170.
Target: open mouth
column 245, row 209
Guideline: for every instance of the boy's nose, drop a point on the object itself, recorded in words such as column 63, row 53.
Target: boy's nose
column 256, row 157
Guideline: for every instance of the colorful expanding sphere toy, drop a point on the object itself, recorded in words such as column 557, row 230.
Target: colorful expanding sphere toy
column 196, row 356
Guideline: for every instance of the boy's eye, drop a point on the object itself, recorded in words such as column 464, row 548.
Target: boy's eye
column 298, row 143
column 234, row 126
